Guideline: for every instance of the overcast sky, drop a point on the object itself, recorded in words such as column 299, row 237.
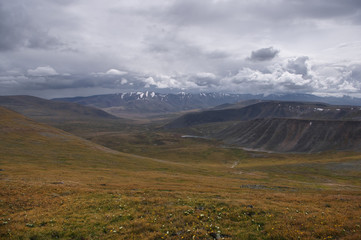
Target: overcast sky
column 84, row 47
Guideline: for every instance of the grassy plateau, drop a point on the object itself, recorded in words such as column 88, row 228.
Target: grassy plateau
column 111, row 180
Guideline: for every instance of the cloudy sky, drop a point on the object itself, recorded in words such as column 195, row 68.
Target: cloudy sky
column 84, row 47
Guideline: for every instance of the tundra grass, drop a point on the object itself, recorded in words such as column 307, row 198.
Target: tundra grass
column 109, row 201
column 58, row 186
column 155, row 205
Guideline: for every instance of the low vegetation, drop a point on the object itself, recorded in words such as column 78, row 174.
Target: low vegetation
column 58, row 186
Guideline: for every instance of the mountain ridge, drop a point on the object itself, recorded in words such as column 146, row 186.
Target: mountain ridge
column 278, row 126
column 294, row 135
column 268, row 109
column 152, row 102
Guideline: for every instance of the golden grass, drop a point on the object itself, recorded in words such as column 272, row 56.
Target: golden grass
column 58, row 186
column 115, row 204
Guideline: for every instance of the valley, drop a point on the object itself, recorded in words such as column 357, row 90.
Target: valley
column 259, row 171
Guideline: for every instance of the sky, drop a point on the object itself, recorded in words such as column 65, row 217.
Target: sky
column 64, row 48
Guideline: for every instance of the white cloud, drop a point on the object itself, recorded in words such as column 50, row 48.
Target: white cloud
column 172, row 82
column 110, row 73
column 42, row 71
column 149, row 82
column 162, row 81
column 300, row 78
column 123, row 81
column 115, row 72
column 206, row 75
column 337, row 78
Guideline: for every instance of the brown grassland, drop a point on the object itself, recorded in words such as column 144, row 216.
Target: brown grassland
column 150, row 184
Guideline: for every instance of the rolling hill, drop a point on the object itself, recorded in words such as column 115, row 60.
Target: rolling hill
column 38, row 145
column 25, row 141
column 48, row 110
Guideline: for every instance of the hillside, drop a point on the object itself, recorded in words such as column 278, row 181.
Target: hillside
column 24, row 141
column 277, row 126
column 294, row 135
column 48, row 110
column 268, row 109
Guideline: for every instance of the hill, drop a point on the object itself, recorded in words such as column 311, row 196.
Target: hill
column 294, row 135
column 25, row 141
column 278, row 126
column 268, row 109
column 48, row 110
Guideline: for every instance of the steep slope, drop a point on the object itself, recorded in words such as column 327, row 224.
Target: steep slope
column 269, row 109
column 294, row 135
column 42, row 109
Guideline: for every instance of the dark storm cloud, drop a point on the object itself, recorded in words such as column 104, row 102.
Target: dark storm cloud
column 18, row 30
column 264, row 54
column 10, row 37
column 181, row 44
column 202, row 12
column 183, row 55
column 327, row 9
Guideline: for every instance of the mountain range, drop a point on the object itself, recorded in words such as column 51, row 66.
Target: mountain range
column 158, row 103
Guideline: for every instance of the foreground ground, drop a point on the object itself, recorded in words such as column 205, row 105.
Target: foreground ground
column 243, row 202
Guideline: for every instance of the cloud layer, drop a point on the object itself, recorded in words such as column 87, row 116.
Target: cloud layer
column 81, row 47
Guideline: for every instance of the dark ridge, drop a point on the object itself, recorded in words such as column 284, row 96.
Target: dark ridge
column 269, row 109
column 42, row 109
column 294, row 135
